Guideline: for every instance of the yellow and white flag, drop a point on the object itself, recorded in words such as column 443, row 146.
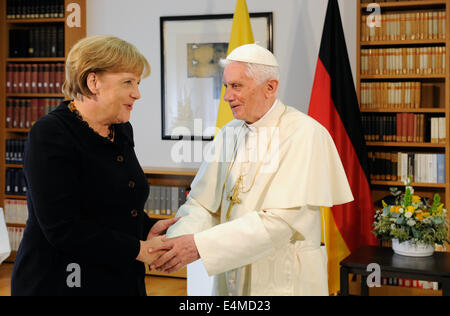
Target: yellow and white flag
column 241, row 34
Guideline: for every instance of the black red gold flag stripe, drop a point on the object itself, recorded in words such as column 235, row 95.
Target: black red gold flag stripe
column 334, row 104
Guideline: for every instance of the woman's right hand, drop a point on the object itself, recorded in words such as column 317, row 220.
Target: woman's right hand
column 144, row 255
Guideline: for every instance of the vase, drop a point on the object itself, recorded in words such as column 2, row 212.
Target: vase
column 410, row 249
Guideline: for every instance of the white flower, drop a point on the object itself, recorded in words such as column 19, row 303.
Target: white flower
column 408, row 214
column 401, row 210
column 393, row 226
column 426, row 221
column 411, row 222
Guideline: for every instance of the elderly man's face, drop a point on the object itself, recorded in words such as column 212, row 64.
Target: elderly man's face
column 246, row 98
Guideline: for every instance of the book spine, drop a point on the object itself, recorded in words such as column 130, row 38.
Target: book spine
column 441, row 168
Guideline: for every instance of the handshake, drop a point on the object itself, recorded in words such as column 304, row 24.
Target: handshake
column 167, row 255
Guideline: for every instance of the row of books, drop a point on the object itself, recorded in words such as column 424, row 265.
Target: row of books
column 405, row 128
column 398, row 166
column 34, row 9
column 15, row 149
column 164, row 200
column 15, row 235
column 438, row 130
column 402, row 95
column 392, row 95
column 408, row 283
column 15, row 182
column 34, row 78
column 403, row 61
column 38, row 41
column 430, row 25
column 23, row 113
column 16, row 211
column 380, row 1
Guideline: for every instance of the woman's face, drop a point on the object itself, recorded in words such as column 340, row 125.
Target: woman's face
column 116, row 94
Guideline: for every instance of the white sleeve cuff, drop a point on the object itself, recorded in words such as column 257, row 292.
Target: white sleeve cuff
column 194, row 218
column 234, row 244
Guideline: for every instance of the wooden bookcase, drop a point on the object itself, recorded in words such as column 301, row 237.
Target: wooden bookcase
column 75, row 11
column 174, row 178
column 380, row 189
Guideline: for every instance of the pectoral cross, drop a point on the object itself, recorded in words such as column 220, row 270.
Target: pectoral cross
column 233, row 196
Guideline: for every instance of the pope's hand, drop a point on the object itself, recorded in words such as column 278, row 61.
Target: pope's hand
column 161, row 227
column 180, row 252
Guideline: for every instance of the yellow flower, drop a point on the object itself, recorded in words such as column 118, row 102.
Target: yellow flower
column 416, row 199
column 411, row 209
column 396, row 209
column 426, row 214
column 439, row 210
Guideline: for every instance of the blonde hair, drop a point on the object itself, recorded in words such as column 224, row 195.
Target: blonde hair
column 98, row 54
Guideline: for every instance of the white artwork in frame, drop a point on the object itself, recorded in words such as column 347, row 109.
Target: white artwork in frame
column 191, row 48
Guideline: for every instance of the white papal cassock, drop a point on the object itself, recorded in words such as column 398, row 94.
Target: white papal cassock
column 271, row 243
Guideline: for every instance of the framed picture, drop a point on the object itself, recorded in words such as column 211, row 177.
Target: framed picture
column 191, row 76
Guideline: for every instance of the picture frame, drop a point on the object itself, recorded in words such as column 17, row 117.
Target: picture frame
column 191, row 77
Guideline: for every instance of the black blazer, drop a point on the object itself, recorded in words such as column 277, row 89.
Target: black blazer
column 86, row 197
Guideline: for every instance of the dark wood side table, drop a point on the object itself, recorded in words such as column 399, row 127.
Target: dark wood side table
column 434, row 269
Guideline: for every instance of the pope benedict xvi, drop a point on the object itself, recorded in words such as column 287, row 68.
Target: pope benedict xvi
column 253, row 215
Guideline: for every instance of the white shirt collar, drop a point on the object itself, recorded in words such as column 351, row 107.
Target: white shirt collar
column 252, row 127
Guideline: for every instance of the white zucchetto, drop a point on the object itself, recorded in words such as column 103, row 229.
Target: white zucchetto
column 254, row 54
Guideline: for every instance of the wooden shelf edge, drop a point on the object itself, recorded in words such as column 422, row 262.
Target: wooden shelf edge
column 410, row 76
column 407, row 4
column 36, row 59
column 419, row 110
column 170, row 171
column 16, row 225
column 17, row 130
column 35, row 95
column 36, row 20
column 15, row 197
column 13, row 166
column 417, row 185
column 403, row 42
column 153, row 216
column 395, row 144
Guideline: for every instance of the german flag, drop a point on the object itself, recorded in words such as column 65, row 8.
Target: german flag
column 335, row 105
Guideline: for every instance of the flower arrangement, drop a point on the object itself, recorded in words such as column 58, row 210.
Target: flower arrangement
column 412, row 219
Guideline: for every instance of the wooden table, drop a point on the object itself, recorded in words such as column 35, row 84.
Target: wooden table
column 434, row 269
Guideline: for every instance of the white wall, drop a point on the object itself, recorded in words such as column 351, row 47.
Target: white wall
column 298, row 26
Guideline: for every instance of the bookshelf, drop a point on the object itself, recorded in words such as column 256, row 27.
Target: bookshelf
column 441, row 80
column 67, row 17
column 407, row 47
column 171, row 177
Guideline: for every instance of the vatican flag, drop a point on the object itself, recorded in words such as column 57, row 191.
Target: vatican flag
column 241, row 34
